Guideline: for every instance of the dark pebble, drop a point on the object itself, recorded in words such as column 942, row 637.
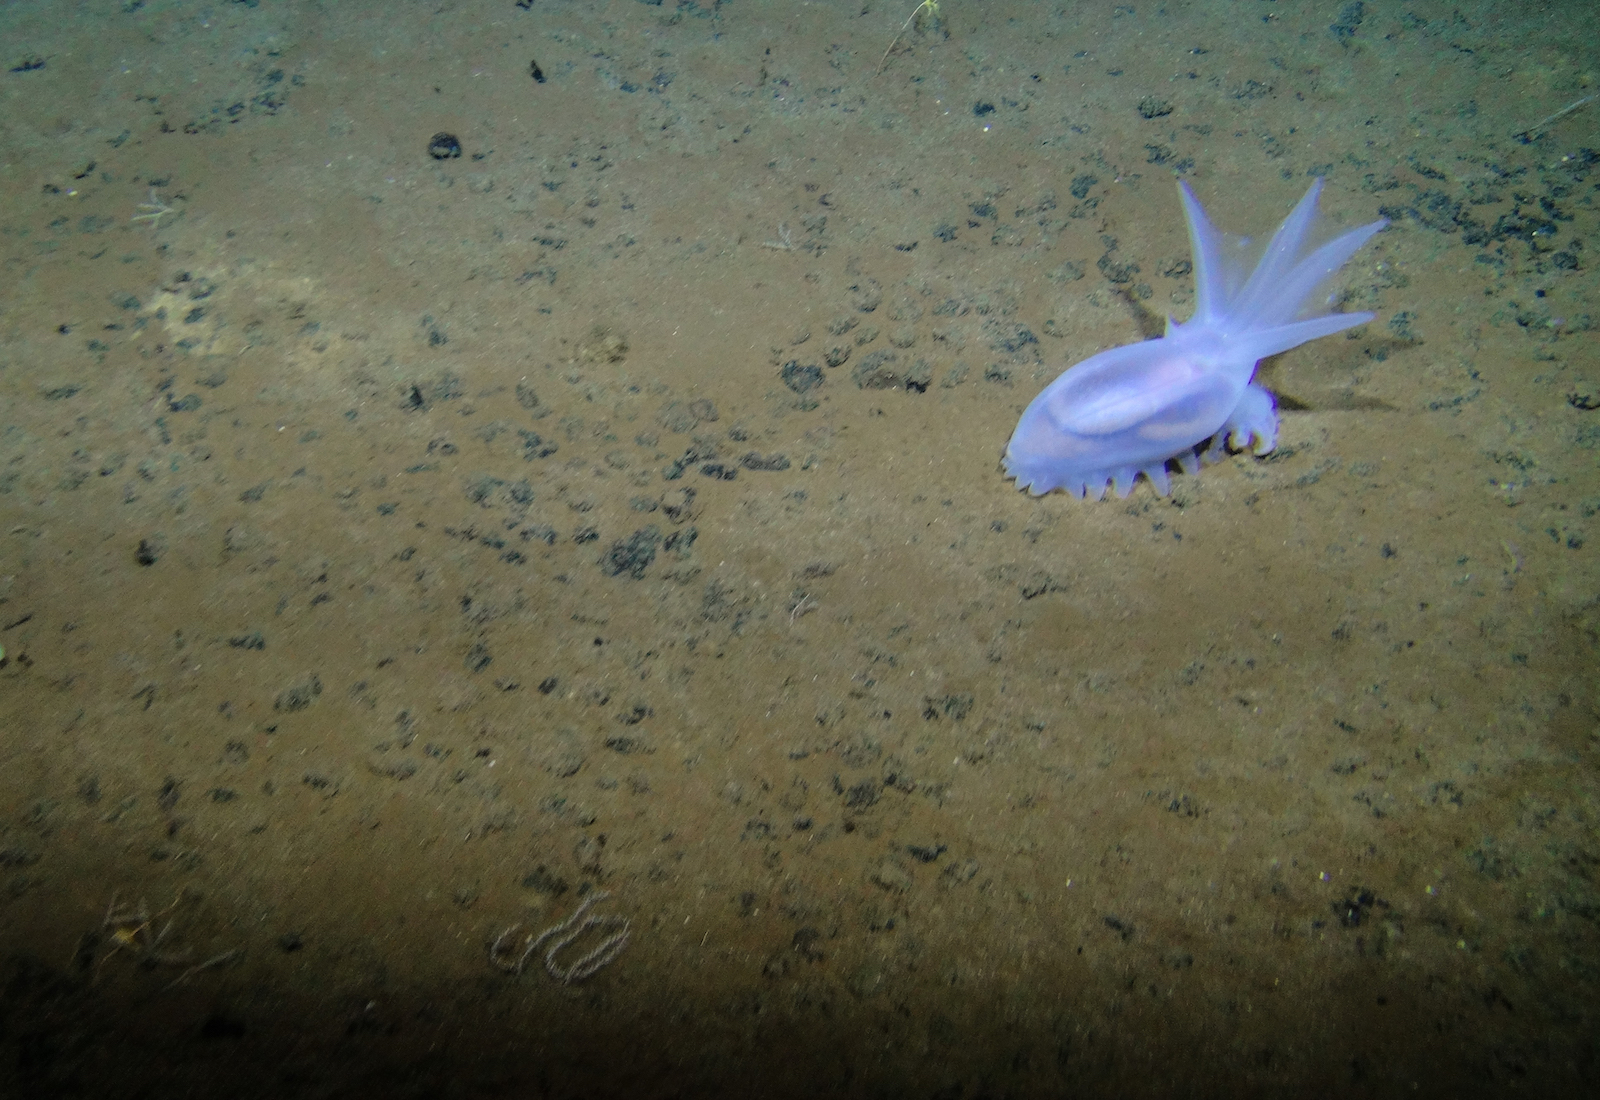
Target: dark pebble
column 444, row 146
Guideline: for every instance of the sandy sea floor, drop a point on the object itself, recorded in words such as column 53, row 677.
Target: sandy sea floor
column 507, row 586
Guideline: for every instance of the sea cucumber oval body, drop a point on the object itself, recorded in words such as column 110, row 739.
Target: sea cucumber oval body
column 1130, row 410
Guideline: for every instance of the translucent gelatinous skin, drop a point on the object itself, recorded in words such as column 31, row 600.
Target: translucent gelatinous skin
column 1130, row 410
